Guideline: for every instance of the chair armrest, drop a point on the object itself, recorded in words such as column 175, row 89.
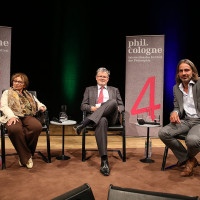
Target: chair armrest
column 123, row 118
column 46, row 115
column 84, row 115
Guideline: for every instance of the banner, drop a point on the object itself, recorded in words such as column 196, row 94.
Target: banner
column 144, row 82
column 5, row 56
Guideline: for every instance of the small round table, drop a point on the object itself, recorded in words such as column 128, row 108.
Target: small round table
column 147, row 159
column 63, row 124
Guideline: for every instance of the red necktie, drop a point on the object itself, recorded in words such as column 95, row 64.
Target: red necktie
column 100, row 100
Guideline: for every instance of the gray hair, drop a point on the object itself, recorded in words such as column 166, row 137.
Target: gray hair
column 102, row 69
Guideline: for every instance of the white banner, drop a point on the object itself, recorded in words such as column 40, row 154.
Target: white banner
column 144, row 82
column 5, row 56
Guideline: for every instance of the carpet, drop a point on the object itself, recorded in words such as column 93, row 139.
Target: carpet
column 46, row 181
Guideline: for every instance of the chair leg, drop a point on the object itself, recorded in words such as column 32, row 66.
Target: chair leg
column 48, row 146
column 83, row 146
column 164, row 158
column 48, row 157
column 3, row 160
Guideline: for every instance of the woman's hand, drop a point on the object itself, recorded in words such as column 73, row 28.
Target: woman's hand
column 12, row 120
column 42, row 108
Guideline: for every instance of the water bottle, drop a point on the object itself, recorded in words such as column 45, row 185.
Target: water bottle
column 150, row 148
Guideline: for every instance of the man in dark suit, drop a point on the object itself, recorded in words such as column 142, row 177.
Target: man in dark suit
column 104, row 104
column 185, row 118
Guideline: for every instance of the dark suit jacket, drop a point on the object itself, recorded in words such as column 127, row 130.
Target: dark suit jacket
column 178, row 99
column 90, row 98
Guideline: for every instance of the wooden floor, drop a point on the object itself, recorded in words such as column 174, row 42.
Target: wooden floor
column 73, row 141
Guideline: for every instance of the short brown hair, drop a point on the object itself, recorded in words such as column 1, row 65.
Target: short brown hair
column 23, row 77
column 195, row 75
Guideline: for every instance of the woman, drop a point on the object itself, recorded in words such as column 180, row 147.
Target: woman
column 19, row 108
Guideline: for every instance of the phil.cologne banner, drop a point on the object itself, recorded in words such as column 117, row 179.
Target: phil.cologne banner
column 144, row 83
column 5, row 54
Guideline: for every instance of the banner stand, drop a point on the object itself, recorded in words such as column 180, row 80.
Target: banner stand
column 5, row 57
column 144, row 82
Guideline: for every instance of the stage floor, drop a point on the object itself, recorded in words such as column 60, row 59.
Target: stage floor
column 73, row 141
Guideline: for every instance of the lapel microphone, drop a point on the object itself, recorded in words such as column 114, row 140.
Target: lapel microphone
column 142, row 122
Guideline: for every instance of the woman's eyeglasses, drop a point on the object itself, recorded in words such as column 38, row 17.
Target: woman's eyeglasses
column 19, row 82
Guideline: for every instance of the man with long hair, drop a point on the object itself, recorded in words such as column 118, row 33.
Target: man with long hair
column 185, row 118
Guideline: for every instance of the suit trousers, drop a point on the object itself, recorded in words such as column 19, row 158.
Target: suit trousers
column 24, row 136
column 191, row 128
column 106, row 115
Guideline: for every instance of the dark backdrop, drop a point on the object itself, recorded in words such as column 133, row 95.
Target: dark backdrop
column 60, row 44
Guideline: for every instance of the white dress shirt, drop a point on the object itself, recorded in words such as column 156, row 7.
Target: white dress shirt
column 105, row 93
column 188, row 101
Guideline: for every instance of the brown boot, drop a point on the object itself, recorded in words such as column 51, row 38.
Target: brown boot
column 188, row 170
column 179, row 164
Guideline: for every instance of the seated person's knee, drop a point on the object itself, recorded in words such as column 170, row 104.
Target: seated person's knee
column 192, row 141
column 103, row 120
column 163, row 134
column 14, row 130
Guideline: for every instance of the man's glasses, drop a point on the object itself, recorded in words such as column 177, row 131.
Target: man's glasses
column 102, row 77
column 19, row 82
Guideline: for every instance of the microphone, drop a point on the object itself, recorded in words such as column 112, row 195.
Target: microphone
column 142, row 122
column 56, row 120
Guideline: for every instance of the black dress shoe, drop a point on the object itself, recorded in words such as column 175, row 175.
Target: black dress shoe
column 105, row 168
column 78, row 128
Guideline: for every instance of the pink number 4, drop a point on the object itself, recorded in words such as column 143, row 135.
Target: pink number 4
column 134, row 111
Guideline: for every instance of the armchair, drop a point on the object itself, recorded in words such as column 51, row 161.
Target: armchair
column 119, row 128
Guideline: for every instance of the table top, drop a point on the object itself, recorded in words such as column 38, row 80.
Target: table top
column 148, row 125
column 68, row 122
